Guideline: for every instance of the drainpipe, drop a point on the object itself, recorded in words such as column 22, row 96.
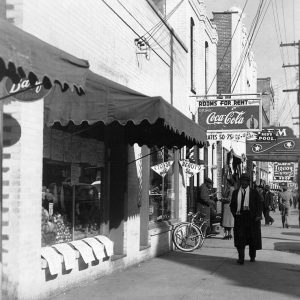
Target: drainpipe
column 171, row 66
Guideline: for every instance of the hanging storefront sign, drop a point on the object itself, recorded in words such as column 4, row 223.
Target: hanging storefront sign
column 284, row 171
column 225, row 136
column 24, row 91
column 279, row 145
column 221, row 115
column 163, row 168
column 189, row 168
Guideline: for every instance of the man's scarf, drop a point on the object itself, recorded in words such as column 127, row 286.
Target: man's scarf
column 246, row 200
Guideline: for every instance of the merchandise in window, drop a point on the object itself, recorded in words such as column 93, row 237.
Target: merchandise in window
column 161, row 193
column 72, row 187
column 70, row 211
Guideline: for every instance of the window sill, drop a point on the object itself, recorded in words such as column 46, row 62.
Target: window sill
column 117, row 256
column 145, row 247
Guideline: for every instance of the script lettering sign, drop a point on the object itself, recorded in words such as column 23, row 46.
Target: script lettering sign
column 230, row 115
column 190, row 168
column 24, row 91
column 163, row 168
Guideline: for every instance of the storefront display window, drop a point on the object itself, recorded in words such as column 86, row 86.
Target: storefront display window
column 161, row 194
column 71, row 195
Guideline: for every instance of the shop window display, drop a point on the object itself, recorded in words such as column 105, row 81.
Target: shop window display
column 70, row 211
column 161, row 194
column 72, row 187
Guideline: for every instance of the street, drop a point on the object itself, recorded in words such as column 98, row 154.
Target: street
column 210, row 272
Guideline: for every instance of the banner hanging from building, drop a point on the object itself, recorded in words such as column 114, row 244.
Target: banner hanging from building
column 224, row 115
column 277, row 144
column 284, row 171
column 190, row 168
column 225, row 136
column 163, row 168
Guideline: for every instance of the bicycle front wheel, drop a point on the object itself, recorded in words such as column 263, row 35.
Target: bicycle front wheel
column 187, row 237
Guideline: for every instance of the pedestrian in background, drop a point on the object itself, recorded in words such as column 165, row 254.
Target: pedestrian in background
column 246, row 208
column 268, row 201
column 204, row 200
column 260, row 190
column 298, row 200
column 227, row 217
column 295, row 200
column 285, row 198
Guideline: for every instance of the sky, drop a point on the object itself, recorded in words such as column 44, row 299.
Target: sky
column 268, row 55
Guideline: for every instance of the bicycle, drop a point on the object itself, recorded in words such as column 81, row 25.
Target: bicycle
column 188, row 236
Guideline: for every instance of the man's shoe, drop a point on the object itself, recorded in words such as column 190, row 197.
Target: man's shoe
column 252, row 259
column 240, row 261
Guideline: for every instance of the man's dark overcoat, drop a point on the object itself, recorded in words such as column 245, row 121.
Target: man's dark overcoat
column 204, row 201
column 247, row 233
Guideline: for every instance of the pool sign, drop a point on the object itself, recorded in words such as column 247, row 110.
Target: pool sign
column 24, row 91
column 163, row 168
column 277, row 144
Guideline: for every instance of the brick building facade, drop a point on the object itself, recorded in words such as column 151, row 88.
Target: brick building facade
column 106, row 34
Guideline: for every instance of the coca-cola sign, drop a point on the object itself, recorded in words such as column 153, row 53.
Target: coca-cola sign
column 228, row 116
column 24, row 91
column 233, row 117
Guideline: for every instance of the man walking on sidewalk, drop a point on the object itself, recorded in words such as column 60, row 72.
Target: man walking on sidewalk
column 268, row 200
column 246, row 207
column 284, row 200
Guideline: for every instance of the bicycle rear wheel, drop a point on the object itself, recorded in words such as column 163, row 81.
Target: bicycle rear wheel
column 187, row 237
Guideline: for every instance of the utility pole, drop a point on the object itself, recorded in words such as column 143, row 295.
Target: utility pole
column 294, row 44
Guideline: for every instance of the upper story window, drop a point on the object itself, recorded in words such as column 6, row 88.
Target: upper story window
column 206, row 67
column 161, row 5
column 192, row 53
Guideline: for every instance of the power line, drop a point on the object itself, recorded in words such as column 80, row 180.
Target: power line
column 168, row 16
column 249, row 43
column 243, row 54
column 156, row 27
column 229, row 43
column 278, row 33
column 143, row 28
column 294, row 28
column 289, row 113
column 131, row 28
column 284, row 26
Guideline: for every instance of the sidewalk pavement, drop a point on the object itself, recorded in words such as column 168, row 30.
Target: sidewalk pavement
column 210, row 272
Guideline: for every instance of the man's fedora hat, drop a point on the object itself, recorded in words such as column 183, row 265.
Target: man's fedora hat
column 208, row 180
